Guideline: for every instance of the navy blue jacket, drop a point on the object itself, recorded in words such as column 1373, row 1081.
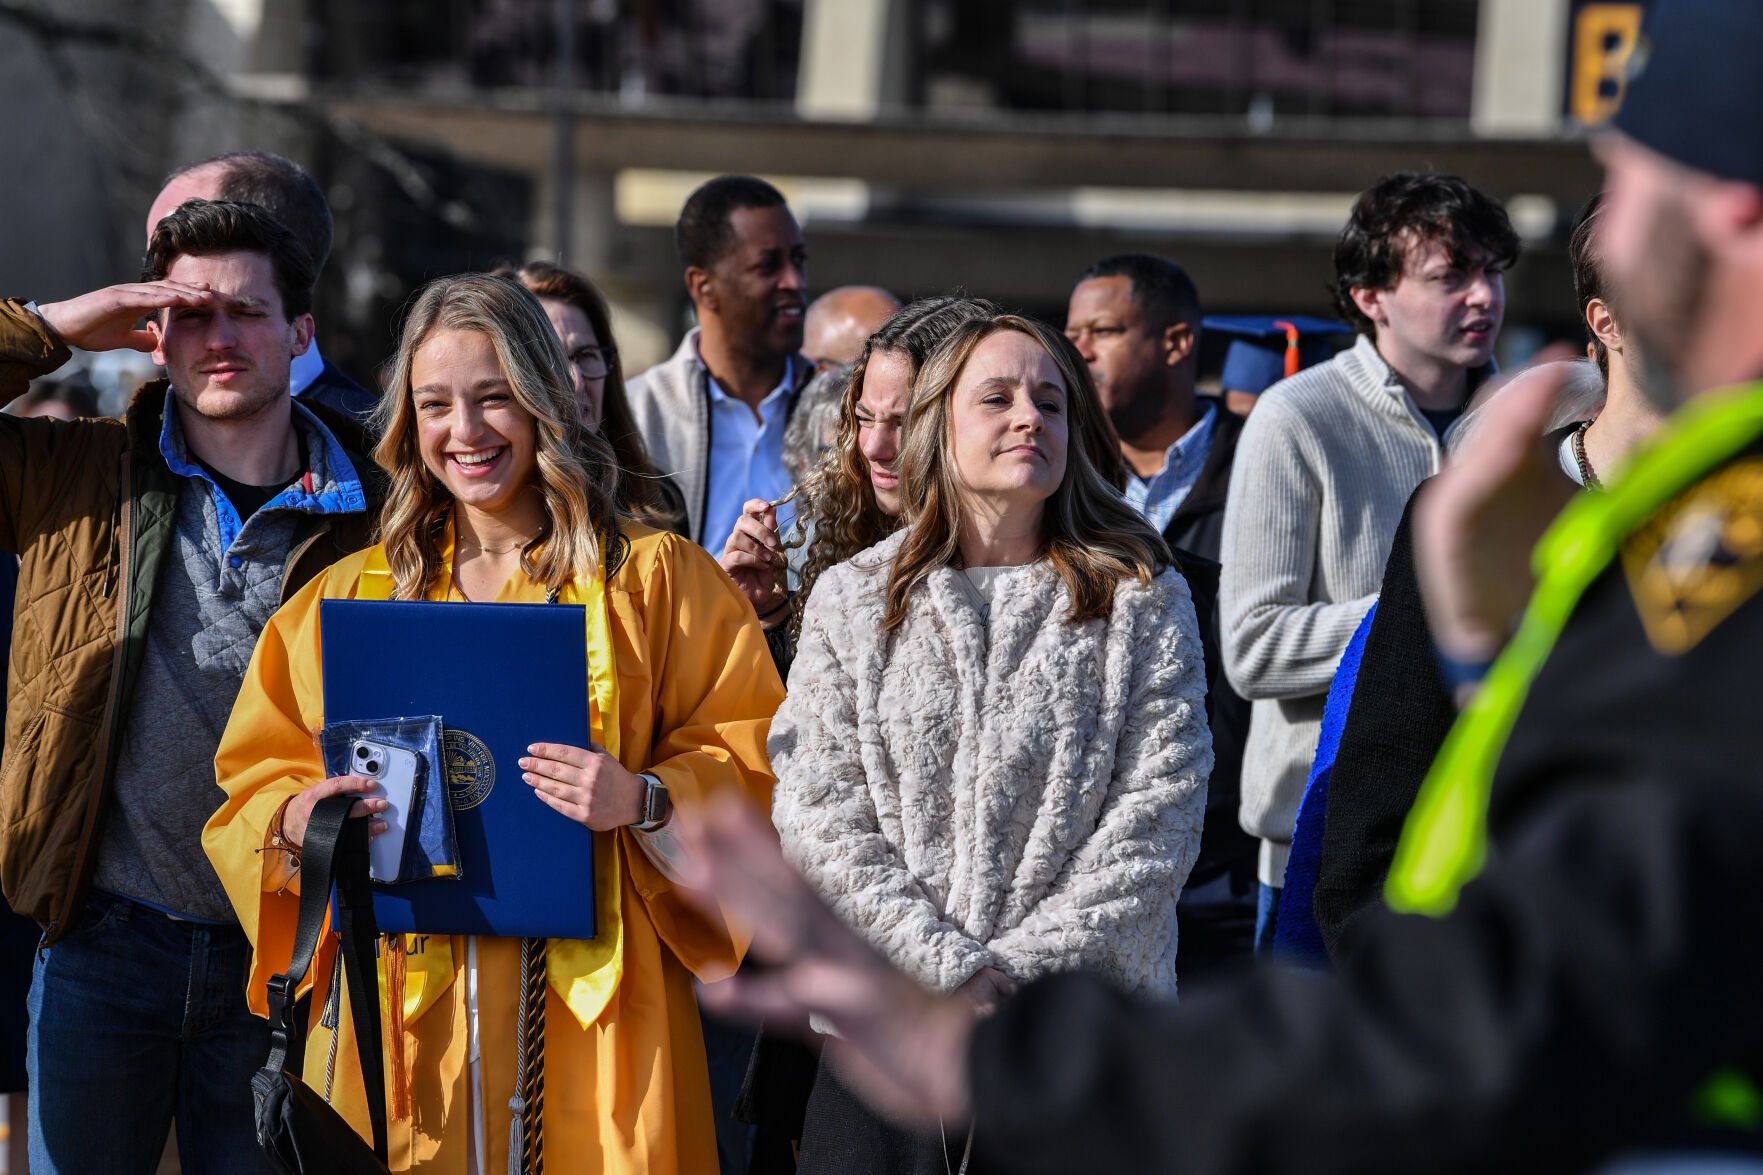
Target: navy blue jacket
column 339, row 393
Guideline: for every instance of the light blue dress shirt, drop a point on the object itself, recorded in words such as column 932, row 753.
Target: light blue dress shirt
column 304, row 369
column 746, row 458
column 1161, row 495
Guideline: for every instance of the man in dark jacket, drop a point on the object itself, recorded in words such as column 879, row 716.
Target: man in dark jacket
column 153, row 550
column 1578, row 976
column 282, row 188
column 1135, row 319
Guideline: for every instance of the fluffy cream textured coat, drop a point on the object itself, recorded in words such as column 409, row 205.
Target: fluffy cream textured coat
column 1013, row 792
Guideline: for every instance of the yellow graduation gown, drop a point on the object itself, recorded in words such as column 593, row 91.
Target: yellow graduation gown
column 630, row 1092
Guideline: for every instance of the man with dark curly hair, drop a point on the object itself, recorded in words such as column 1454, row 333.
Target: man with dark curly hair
column 1330, row 457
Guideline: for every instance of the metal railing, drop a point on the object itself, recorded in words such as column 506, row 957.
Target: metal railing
column 1259, row 59
column 744, row 50
column 1255, row 58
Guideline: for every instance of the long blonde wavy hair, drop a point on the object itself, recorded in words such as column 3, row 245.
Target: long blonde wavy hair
column 839, row 506
column 577, row 473
column 1089, row 534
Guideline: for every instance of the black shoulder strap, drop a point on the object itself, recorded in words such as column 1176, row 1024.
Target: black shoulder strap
column 335, row 849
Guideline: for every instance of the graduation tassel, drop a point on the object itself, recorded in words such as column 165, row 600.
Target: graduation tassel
column 1294, row 357
column 397, row 971
column 516, row 1143
column 526, row 1127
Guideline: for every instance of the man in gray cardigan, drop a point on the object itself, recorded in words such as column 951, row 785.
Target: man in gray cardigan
column 1329, row 459
column 713, row 415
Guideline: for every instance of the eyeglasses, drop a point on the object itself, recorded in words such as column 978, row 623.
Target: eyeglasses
column 594, row 362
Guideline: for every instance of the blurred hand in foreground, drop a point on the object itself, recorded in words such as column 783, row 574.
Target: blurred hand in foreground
column 1477, row 522
column 988, row 988
column 903, row 1049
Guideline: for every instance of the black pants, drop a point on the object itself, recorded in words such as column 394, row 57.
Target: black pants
column 843, row 1136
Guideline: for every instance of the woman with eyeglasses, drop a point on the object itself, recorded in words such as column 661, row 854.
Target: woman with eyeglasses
column 579, row 314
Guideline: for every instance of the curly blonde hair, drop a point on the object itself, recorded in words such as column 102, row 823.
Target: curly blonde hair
column 838, row 502
column 1089, row 534
column 577, row 470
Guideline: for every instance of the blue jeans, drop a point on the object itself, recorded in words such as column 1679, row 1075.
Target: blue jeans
column 138, row 1020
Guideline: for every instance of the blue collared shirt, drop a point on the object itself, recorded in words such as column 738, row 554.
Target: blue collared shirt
column 1161, row 495
column 746, row 458
column 304, row 369
column 221, row 582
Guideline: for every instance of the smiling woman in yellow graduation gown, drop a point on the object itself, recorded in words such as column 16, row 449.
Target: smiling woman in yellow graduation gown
column 628, row 1091
column 483, row 442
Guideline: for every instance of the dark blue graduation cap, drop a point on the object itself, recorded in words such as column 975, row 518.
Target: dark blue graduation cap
column 1264, row 350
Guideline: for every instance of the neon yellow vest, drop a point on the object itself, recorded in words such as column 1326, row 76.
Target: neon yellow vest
column 1444, row 843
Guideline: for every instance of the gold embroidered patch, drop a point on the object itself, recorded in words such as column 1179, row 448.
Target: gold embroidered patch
column 1692, row 564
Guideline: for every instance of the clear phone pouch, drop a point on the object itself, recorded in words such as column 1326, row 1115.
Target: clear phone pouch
column 403, row 757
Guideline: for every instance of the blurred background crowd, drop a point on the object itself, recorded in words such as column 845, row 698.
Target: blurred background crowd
column 916, row 140
column 996, row 149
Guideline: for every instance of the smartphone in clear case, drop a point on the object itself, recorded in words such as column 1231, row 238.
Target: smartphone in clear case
column 394, row 770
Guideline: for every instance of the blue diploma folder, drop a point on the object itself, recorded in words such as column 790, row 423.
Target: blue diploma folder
column 501, row 676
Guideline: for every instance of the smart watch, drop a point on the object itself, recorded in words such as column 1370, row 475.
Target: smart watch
column 657, row 807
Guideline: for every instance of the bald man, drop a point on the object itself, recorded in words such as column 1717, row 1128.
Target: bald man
column 282, row 188
column 841, row 319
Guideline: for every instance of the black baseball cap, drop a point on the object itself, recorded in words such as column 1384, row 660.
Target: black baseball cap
column 1695, row 86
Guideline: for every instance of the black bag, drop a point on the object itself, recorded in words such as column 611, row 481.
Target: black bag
column 298, row 1130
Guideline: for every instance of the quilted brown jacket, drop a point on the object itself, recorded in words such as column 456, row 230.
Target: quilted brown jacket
column 89, row 507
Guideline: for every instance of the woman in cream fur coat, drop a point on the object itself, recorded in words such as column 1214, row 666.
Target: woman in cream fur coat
column 993, row 757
